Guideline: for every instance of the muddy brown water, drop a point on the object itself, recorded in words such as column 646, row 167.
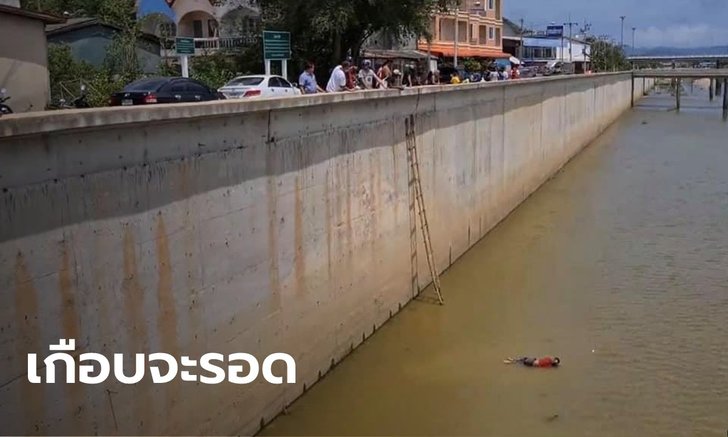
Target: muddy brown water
column 619, row 265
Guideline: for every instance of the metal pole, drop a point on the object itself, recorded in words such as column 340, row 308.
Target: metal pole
column 632, row 96
column 678, row 88
column 634, row 30
column 571, row 24
column 710, row 90
column 284, row 68
column 185, row 63
column 429, row 57
column 520, row 48
column 457, row 36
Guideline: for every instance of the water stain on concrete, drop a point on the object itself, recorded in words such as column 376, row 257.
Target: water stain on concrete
column 70, row 327
column 27, row 341
column 167, row 320
column 137, row 336
column 133, row 295
column 300, row 252
column 273, row 268
column 329, row 224
column 69, row 313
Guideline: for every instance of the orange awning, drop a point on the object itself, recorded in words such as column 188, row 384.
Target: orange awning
column 466, row 51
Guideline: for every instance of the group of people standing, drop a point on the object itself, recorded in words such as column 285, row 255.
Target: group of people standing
column 346, row 77
column 492, row 74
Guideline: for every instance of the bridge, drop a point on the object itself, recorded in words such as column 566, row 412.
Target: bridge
column 718, row 59
column 718, row 80
column 683, row 73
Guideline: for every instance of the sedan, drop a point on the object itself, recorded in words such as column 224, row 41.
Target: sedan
column 163, row 90
column 258, row 86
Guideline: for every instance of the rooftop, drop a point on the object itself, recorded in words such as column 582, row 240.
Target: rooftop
column 46, row 18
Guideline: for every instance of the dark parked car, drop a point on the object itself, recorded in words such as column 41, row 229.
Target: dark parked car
column 163, row 90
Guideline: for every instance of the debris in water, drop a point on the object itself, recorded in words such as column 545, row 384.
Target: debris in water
column 552, row 418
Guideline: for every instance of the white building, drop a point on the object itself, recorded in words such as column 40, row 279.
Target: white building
column 214, row 24
column 542, row 49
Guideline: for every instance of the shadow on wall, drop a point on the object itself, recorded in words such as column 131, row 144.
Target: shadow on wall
column 206, row 154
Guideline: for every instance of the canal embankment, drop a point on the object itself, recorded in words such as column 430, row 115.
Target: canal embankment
column 264, row 226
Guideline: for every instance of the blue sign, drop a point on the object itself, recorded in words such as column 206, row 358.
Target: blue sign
column 555, row 31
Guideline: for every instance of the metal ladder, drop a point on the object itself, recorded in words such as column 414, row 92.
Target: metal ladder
column 411, row 137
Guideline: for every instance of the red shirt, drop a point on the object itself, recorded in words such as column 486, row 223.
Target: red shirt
column 545, row 362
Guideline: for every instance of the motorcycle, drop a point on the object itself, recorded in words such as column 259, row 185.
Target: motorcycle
column 4, row 109
column 78, row 103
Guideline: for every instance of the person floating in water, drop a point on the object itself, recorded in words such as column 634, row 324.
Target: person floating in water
column 535, row 362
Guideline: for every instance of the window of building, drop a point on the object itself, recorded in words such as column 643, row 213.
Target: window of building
column 491, row 4
column 483, row 35
column 491, row 33
column 497, row 36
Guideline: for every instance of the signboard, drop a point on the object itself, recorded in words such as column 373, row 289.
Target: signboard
column 555, row 31
column 276, row 46
column 185, row 46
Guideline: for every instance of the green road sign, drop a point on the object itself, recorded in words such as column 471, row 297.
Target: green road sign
column 185, row 46
column 276, row 45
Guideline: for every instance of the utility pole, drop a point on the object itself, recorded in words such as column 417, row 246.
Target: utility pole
column 520, row 48
column 457, row 33
column 571, row 35
column 634, row 30
column 622, row 41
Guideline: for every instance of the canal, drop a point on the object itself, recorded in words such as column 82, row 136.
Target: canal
column 618, row 265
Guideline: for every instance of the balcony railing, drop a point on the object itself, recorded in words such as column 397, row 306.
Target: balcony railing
column 208, row 46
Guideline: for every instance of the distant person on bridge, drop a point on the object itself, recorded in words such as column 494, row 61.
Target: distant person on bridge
column 544, row 362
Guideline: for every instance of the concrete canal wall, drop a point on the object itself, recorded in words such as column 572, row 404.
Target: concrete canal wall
column 263, row 226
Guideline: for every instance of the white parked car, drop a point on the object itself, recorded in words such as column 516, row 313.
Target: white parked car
column 258, row 86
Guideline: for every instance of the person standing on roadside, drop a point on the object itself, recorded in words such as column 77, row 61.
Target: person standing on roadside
column 407, row 79
column 351, row 78
column 307, row 80
column 385, row 72
column 368, row 78
column 338, row 82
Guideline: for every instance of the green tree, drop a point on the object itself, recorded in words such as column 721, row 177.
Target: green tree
column 472, row 65
column 215, row 70
column 606, row 56
column 332, row 29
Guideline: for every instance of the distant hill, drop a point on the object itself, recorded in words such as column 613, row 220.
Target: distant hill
column 674, row 51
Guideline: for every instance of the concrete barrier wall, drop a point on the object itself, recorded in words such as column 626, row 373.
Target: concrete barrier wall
column 260, row 227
